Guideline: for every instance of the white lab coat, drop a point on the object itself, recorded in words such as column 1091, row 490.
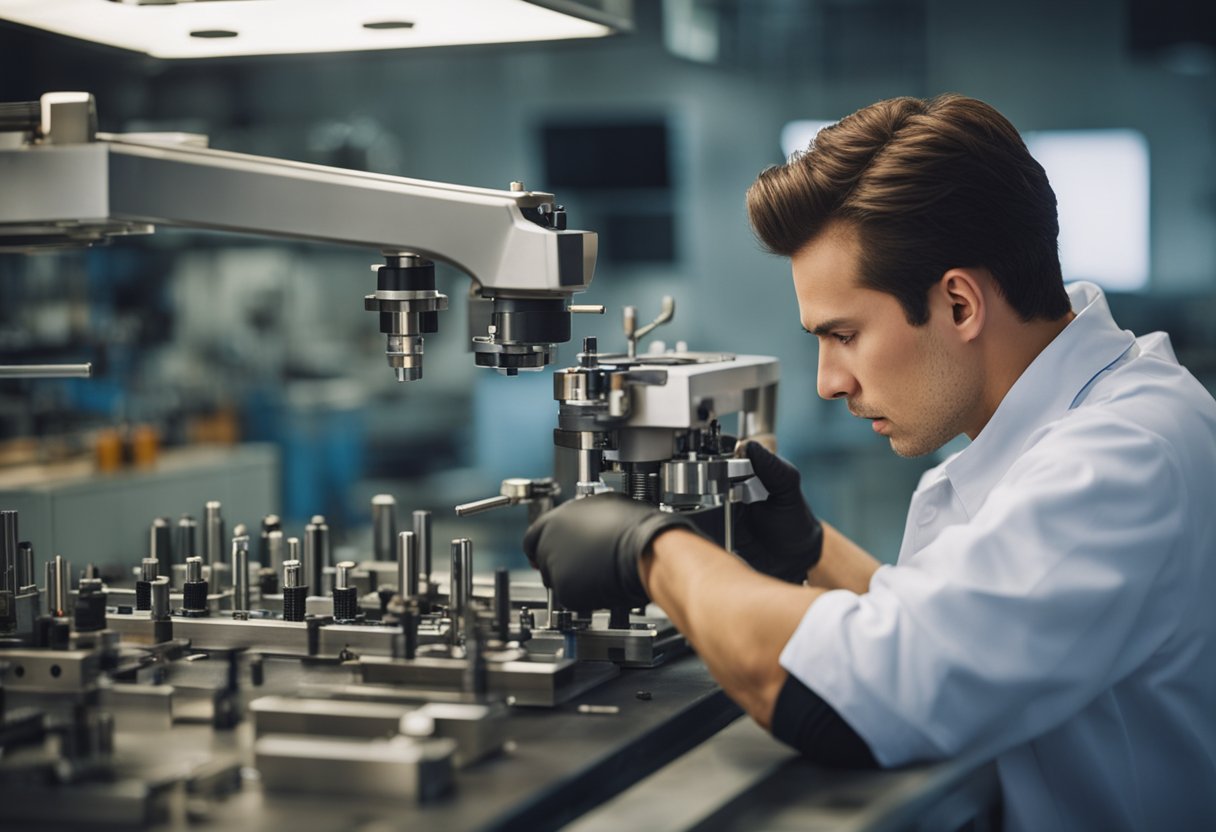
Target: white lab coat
column 1054, row 602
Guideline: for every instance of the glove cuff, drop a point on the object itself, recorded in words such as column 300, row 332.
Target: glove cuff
column 629, row 570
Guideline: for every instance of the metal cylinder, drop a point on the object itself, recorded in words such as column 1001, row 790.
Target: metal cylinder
column 240, row 573
column 502, row 602
column 458, row 594
column 160, row 540
column 292, row 551
column 291, row 572
column 25, row 567
column 342, row 574
column 407, row 566
column 316, row 552
column 57, row 572
column 384, row 526
column 194, row 588
column 187, row 538
column 275, row 544
column 8, row 550
column 90, row 612
column 346, row 599
column 270, row 522
column 149, row 569
column 295, row 594
column 159, row 605
column 213, row 532
column 422, row 540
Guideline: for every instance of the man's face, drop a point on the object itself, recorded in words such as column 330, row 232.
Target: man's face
column 913, row 382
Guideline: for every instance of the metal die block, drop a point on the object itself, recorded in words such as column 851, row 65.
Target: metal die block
column 401, row 767
column 326, row 717
column 479, row 730
column 50, row 671
column 140, row 707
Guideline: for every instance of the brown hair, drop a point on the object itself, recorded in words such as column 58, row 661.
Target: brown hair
column 929, row 186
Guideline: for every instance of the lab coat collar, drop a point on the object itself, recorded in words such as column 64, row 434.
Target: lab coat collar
column 1049, row 387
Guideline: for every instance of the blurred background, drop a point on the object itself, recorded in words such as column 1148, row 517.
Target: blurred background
column 261, row 348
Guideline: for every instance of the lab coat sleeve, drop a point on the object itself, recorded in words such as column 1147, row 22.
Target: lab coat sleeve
column 1008, row 623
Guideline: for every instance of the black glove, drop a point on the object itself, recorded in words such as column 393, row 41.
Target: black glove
column 587, row 550
column 778, row 536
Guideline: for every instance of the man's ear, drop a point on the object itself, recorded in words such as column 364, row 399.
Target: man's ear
column 962, row 292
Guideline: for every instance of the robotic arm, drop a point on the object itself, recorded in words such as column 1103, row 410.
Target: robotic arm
column 67, row 184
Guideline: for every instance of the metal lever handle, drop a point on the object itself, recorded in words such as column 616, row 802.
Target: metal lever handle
column 478, row 506
column 46, row 370
column 635, row 333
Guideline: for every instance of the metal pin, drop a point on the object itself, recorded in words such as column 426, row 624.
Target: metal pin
column 160, row 540
column 25, row 567
column 194, row 569
column 461, row 582
column 240, row 573
column 407, row 566
column 384, row 526
column 8, row 550
column 274, row 549
column 213, row 532
column 160, row 599
column 502, row 602
column 149, row 569
column 342, row 577
column 57, row 577
column 422, row 538
column 293, row 553
column 316, row 551
column 291, row 573
column 187, row 537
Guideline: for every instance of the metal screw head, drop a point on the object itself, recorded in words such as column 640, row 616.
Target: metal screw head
column 194, row 568
column 291, row 573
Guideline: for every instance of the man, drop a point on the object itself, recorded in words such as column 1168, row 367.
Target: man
column 1051, row 604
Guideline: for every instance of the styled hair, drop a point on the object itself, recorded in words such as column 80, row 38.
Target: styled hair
column 928, row 185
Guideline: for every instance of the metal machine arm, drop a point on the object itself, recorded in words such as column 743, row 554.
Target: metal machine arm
column 77, row 186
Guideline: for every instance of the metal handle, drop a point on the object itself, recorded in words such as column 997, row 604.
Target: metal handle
column 478, row 506
column 46, row 370
column 635, row 333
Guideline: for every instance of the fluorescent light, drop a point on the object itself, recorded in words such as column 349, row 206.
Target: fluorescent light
column 796, row 135
column 1101, row 180
column 273, row 27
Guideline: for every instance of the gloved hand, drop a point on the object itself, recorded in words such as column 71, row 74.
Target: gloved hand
column 778, row 536
column 587, row 550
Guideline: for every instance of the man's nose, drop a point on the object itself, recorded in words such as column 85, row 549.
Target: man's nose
column 835, row 382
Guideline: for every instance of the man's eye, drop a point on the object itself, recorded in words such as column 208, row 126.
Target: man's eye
column 842, row 337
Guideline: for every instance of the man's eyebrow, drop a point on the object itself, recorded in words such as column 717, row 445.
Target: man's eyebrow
column 827, row 326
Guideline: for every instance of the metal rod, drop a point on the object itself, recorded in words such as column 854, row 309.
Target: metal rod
column 274, row 550
column 58, row 574
column 502, row 602
column 160, row 599
column 477, row 506
column 25, row 567
column 384, row 526
column 213, row 533
column 46, row 370
column 8, row 550
column 407, row 566
column 240, row 573
column 316, row 551
column 422, row 536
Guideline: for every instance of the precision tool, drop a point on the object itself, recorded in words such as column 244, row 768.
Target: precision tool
column 384, row 526
column 194, row 589
column 295, row 594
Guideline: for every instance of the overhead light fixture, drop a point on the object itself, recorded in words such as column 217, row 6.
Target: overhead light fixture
column 225, row 28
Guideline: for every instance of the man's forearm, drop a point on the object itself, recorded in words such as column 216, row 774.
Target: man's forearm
column 737, row 619
column 843, row 564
